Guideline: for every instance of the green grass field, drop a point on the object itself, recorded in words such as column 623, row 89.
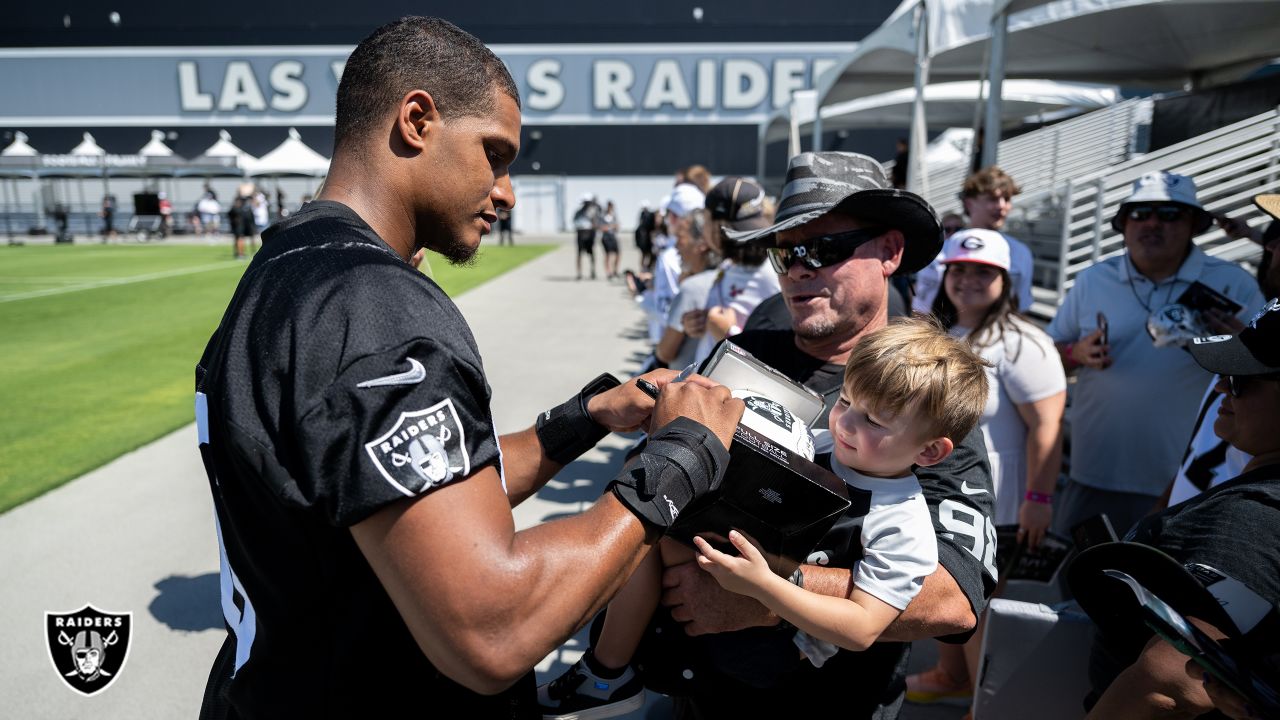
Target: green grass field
column 98, row 346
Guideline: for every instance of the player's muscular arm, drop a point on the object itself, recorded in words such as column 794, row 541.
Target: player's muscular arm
column 526, row 466
column 485, row 603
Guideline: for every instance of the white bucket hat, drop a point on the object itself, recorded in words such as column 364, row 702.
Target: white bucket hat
column 1164, row 187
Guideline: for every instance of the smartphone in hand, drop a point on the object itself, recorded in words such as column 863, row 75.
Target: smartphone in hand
column 1102, row 325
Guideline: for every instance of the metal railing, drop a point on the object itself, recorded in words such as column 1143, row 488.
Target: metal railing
column 1230, row 165
column 1040, row 159
column 1074, row 176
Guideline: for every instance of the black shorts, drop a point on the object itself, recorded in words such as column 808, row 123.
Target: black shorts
column 587, row 241
column 609, row 242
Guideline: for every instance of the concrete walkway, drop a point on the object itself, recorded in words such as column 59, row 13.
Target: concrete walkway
column 137, row 534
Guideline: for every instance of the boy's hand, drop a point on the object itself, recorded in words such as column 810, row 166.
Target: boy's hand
column 743, row 575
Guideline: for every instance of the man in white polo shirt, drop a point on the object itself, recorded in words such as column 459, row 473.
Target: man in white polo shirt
column 1135, row 401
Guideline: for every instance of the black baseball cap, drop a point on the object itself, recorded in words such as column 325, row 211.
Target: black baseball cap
column 1255, row 350
column 738, row 202
column 1113, row 606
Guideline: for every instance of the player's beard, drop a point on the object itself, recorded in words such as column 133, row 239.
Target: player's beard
column 457, row 252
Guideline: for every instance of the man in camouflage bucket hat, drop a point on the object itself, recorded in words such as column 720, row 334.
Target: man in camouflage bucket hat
column 841, row 232
column 818, row 183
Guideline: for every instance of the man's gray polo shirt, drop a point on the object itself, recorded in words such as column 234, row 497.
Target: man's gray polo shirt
column 1131, row 422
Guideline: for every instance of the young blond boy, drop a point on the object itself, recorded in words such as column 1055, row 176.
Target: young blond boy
column 910, row 393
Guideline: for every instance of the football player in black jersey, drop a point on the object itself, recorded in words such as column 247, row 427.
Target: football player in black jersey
column 370, row 561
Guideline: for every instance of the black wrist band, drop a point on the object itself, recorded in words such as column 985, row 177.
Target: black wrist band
column 680, row 463
column 567, row 430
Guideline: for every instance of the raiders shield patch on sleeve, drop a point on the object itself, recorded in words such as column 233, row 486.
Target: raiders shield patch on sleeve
column 424, row 449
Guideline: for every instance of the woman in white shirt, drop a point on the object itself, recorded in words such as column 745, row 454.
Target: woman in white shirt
column 1021, row 424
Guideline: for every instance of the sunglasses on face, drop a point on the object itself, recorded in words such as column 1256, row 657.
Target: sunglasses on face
column 822, row 251
column 1163, row 213
column 952, row 229
column 1237, row 385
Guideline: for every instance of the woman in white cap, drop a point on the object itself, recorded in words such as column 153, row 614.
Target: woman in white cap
column 1022, row 421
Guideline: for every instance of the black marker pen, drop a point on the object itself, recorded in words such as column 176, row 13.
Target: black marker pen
column 648, row 388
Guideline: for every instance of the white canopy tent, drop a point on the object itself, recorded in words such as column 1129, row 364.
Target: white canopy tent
column 155, row 147
column 951, row 105
column 898, row 54
column 88, row 146
column 19, row 147
column 17, row 161
column 1154, row 43
column 1158, row 44
column 222, row 159
column 291, row 157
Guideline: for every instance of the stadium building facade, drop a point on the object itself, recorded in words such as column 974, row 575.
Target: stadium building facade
column 615, row 97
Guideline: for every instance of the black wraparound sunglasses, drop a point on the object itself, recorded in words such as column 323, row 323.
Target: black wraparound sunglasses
column 821, row 251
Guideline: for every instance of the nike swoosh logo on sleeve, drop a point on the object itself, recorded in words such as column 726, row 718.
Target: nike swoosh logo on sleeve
column 969, row 490
column 414, row 375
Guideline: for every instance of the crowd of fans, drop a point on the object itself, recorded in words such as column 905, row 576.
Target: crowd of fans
column 1144, row 403
column 363, row 492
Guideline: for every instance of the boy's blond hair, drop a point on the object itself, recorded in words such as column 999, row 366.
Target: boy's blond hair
column 914, row 366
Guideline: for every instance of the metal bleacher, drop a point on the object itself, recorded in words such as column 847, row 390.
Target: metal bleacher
column 1080, row 170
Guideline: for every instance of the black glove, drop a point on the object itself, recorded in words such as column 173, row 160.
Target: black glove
column 681, row 462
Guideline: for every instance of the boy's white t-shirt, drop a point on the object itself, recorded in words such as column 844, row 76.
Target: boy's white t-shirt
column 899, row 549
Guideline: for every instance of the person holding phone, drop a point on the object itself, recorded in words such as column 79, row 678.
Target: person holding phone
column 1233, row 530
column 1209, row 460
column 1135, row 403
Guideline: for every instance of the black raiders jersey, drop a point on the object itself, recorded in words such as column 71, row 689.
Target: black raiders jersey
column 339, row 380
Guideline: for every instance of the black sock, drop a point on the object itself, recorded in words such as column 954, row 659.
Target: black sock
column 600, row 671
